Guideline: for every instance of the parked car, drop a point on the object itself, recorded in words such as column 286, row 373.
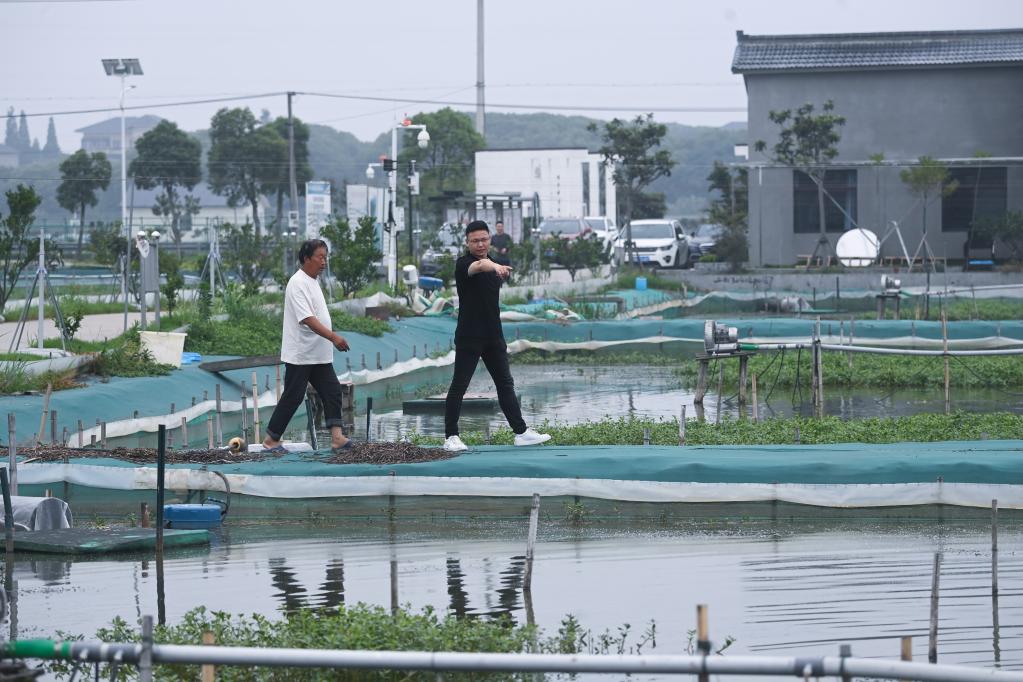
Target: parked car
column 566, row 228
column 451, row 244
column 661, row 243
column 703, row 239
column 605, row 229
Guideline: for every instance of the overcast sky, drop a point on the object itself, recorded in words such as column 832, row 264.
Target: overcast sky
column 649, row 55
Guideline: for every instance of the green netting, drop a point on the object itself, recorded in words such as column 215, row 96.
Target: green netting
column 989, row 462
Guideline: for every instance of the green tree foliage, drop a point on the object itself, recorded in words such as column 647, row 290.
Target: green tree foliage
column 17, row 248
column 244, row 160
column 926, row 180
column 11, row 131
column 631, row 148
column 107, row 244
column 584, row 252
column 448, row 163
column 24, row 140
column 808, row 143
column 51, row 148
column 303, row 171
column 170, row 160
column 352, row 252
column 82, row 175
column 729, row 209
column 249, row 254
column 648, row 205
column 1008, row 229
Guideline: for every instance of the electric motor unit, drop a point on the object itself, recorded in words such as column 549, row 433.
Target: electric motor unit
column 719, row 338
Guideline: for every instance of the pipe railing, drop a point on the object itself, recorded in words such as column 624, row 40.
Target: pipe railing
column 801, row 667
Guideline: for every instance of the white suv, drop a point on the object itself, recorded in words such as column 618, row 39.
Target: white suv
column 662, row 243
column 605, row 229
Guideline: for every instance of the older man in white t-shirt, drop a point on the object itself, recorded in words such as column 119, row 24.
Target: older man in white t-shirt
column 307, row 350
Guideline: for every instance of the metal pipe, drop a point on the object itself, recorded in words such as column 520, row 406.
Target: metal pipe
column 886, row 351
column 817, row 666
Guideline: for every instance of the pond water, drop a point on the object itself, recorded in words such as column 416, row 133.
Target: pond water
column 776, row 587
column 573, row 393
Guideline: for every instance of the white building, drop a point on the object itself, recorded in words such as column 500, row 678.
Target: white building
column 570, row 181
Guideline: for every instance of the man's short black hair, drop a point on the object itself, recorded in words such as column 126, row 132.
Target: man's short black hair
column 476, row 226
column 309, row 247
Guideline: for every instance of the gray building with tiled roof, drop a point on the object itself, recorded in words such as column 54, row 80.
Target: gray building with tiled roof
column 951, row 95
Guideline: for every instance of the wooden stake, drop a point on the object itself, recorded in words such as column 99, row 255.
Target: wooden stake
column 208, row 672
column 906, row 650
column 53, row 427
column 209, row 431
column 932, row 642
column 256, row 430
column 682, row 428
column 944, row 346
column 144, row 515
column 12, row 451
column 753, row 387
column 220, row 429
column 534, row 520
column 702, row 637
column 103, row 434
column 42, row 416
column 184, row 433
column 646, row 436
column 701, row 381
column 278, row 385
column 81, row 434
column 721, row 388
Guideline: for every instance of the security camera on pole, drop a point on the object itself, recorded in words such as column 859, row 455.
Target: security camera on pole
column 423, row 139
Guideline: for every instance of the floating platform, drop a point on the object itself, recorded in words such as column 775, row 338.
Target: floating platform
column 435, row 404
column 88, row 541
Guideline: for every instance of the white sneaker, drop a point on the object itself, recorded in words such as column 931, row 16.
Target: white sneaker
column 455, row 444
column 531, row 437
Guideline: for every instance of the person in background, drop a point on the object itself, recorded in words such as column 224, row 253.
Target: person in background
column 478, row 334
column 307, row 351
column 500, row 245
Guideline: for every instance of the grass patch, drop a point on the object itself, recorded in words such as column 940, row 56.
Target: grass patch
column 366, row 628
column 957, row 310
column 775, row 431
column 869, row 371
column 626, row 279
column 128, row 359
column 66, row 304
column 369, row 326
column 14, row 380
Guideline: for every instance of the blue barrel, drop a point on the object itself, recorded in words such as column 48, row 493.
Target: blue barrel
column 191, row 515
column 641, row 283
column 430, row 283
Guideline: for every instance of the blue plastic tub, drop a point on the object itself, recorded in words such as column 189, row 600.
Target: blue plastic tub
column 641, row 283
column 191, row 515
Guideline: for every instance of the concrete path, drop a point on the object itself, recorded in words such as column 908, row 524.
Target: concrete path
column 94, row 328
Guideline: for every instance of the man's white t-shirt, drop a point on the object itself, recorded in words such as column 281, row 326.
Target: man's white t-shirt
column 301, row 345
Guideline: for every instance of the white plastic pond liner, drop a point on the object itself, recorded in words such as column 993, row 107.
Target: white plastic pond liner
column 1009, row 496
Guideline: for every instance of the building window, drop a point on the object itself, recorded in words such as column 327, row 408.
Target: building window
column 981, row 194
column 839, row 201
column 601, row 194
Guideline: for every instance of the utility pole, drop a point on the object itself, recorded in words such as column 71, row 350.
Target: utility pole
column 408, row 220
column 480, row 113
column 291, row 172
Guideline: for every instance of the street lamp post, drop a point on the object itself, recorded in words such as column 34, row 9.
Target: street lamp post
column 124, row 68
column 155, row 237
column 423, row 140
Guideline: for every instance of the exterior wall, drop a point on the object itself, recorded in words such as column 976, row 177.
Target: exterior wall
column 556, row 175
column 942, row 113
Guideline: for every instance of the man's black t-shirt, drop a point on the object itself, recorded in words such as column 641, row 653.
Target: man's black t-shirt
column 479, row 314
column 498, row 242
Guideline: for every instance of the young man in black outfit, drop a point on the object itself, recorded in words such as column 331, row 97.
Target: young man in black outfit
column 478, row 335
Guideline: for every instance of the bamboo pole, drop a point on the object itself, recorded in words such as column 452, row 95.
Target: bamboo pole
column 103, row 434
column 753, row 397
column 932, row 640
column 208, row 672
column 184, row 433
column 42, row 415
column 256, row 430
column 278, row 384
column 81, row 434
column 702, row 638
column 53, row 427
column 12, row 452
column 682, row 428
column 220, row 426
column 534, row 521
column 906, row 650
column 209, row 431
column 944, row 347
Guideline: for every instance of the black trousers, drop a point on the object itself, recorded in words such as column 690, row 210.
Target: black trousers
column 495, row 357
column 296, row 378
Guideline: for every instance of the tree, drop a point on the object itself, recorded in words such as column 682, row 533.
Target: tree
column 51, row 148
column 244, row 160
column 11, row 136
column 17, row 248
column 629, row 147
column 648, row 205
column 575, row 254
column 82, row 174
column 249, row 254
column 928, row 178
column 107, row 244
column 1008, row 229
column 447, row 165
column 352, row 252
column 24, row 138
column 169, row 159
column 303, row 171
column 807, row 143
column 729, row 209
